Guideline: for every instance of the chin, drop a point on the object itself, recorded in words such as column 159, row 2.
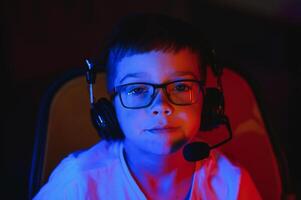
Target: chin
column 166, row 149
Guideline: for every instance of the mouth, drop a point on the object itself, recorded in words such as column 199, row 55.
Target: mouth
column 163, row 130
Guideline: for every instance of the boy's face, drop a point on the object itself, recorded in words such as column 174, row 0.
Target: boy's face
column 162, row 127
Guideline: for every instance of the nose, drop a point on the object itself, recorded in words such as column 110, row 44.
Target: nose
column 161, row 105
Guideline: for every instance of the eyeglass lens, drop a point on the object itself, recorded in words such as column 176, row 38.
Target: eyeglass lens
column 138, row 95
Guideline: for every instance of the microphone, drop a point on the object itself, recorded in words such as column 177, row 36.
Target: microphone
column 196, row 151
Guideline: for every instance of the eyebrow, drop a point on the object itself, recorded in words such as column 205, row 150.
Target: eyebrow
column 184, row 73
column 142, row 74
column 133, row 75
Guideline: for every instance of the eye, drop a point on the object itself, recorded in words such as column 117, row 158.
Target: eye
column 182, row 87
column 137, row 90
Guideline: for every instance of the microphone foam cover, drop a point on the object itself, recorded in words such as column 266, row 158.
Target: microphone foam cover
column 196, row 151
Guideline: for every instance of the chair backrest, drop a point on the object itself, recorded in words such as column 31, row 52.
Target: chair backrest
column 252, row 146
column 64, row 125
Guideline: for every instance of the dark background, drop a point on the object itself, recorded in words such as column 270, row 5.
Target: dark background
column 40, row 40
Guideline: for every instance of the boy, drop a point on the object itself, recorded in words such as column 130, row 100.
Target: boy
column 155, row 73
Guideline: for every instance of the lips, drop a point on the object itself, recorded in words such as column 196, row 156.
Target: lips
column 166, row 129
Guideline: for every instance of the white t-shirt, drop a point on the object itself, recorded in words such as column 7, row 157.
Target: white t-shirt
column 102, row 173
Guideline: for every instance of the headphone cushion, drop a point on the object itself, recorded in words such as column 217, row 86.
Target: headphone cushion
column 213, row 109
column 105, row 121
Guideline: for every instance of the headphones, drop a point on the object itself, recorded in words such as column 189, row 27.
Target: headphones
column 105, row 121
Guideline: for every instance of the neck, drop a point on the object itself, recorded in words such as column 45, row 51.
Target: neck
column 157, row 164
column 156, row 174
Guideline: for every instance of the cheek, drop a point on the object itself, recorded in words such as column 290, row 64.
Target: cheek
column 193, row 119
column 128, row 120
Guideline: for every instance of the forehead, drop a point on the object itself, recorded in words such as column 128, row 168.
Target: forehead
column 158, row 66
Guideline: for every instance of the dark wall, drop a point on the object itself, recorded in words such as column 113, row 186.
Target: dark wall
column 43, row 39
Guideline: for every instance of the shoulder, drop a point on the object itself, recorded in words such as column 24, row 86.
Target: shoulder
column 75, row 170
column 217, row 162
column 217, row 177
column 226, row 178
column 101, row 155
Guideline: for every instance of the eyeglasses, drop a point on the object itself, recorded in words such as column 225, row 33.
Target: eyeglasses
column 141, row 95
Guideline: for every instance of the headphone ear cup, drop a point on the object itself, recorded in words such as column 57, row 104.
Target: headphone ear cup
column 213, row 109
column 105, row 121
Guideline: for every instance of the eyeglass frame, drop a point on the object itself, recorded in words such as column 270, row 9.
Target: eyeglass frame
column 155, row 93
